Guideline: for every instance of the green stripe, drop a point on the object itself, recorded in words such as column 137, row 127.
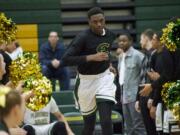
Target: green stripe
column 76, row 88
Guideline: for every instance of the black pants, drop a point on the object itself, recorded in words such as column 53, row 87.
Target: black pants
column 58, row 129
column 104, row 109
column 148, row 121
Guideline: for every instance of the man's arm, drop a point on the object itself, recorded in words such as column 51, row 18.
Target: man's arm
column 167, row 73
column 55, row 111
column 61, row 117
column 72, row 55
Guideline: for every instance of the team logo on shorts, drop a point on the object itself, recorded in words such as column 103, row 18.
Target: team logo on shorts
column 103, row 47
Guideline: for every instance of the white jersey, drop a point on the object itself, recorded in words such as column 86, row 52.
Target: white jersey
column 42, row 116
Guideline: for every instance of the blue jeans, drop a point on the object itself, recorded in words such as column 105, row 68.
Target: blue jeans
column 61, row 74
column 133, row 120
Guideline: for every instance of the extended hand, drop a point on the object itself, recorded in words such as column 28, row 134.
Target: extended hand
column 149, row 103
column 153, row 112
column 137, row 107
column 112, row 69
column 153, row 75
column 146, row 90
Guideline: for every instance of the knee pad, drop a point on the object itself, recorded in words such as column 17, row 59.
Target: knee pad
column 29, row 129
column 59, row 128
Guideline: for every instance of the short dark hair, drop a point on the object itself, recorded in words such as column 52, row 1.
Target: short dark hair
column 127, row 34
column 94, row 11
column 149, row 33
column 17, row 44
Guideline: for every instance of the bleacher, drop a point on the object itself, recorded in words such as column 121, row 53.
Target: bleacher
column 119, row 16
column 66, row 104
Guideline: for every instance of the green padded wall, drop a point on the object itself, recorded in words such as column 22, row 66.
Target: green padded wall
column 154, row 13
column 46, row 14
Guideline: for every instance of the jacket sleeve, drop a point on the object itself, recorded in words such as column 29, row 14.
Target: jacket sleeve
column 73, row 55
column 165, row 76
column 167, row 73
column 156, row 97
column 43, row 59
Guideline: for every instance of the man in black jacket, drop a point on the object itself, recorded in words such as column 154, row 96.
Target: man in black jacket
column 162, row 65
column 143, row 104
column 95, row 89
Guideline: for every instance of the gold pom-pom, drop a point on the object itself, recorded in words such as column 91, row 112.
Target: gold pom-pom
column 171, row 36
column 24, row 67
column 171, row 97
column 42, row 90
column 176, row 111
column 27, row 68
column 8, row 29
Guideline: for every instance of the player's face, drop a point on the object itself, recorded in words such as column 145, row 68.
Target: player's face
column 97, row 23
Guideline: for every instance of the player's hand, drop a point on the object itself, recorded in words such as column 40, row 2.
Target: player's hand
column 153, row 75
column 112, row 69
column 149, row 103
column 100, row 56
column 153, row 112
column 137, row 107
column 146, row 90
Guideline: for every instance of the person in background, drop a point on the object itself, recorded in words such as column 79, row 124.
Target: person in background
column 143, row 104
column 16, row 52
column 129, row 69
column 50, row 59
column 4, row 50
